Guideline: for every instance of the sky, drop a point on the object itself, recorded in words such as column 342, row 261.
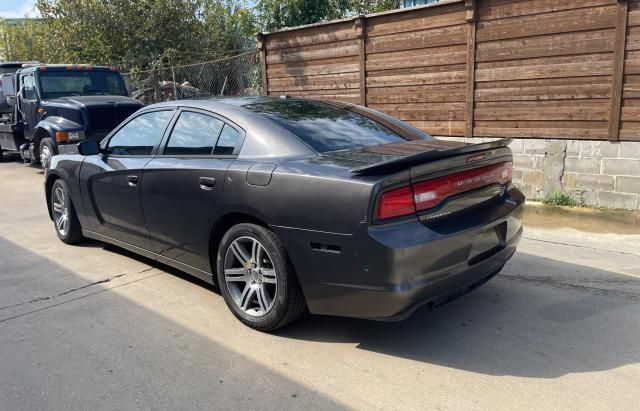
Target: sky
column 16, row 8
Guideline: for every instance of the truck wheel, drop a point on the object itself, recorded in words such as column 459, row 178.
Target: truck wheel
column 65, row 219
column 257, row 280
column 47, row 150
column 1, row 154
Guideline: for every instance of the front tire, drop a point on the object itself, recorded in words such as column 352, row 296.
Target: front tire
column 65, row 219
column 46, row 150
column 256, row 278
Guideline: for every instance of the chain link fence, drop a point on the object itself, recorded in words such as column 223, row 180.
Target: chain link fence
column 238, row 75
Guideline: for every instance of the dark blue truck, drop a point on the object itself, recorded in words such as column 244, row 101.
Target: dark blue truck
column 46, row 109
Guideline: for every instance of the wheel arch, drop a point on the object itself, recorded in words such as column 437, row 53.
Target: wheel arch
column 223, row 225
column 39, row 134
column 48, row 187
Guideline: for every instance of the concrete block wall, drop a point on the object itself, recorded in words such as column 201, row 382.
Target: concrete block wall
column 601, row 173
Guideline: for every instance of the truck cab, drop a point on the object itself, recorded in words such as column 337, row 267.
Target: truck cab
column 56, row 106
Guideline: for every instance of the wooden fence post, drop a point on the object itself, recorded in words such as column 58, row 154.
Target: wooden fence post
column 618, row 70
column 360, row 25
column 263, row 62
column 471, row 66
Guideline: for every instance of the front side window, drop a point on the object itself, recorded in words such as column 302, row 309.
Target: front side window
column 81, row 83
column 29, row 88
column 194, row 134
column 141, row 135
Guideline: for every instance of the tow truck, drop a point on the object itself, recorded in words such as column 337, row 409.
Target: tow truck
column 47, row 109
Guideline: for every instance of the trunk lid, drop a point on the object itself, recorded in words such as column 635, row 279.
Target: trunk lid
column 432, row 178
column 390, row 158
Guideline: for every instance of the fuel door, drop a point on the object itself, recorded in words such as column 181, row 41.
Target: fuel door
column 259, row 174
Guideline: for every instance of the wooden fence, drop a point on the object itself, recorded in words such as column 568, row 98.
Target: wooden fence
column 483, row 68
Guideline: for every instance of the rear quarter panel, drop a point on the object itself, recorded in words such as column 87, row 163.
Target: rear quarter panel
column 301, row 195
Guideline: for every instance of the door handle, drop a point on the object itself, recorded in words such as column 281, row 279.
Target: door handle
column 132, row 181
column 207, row 183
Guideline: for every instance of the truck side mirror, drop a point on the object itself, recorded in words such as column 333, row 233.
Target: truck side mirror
column 88, row 148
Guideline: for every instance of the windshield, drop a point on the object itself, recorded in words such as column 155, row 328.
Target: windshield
column 81, row 83
column 328, row 127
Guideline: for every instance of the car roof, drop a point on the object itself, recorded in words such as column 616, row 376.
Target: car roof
column 264, row 138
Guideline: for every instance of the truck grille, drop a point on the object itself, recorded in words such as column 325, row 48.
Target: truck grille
column 107, row 118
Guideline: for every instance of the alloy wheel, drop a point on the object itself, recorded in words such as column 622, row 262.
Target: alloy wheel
column 250, row 276
column 60, row 211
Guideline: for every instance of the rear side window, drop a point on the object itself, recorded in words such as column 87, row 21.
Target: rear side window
column 141, row 135
column 194, row 134
column 327, row 127
column 228, row 142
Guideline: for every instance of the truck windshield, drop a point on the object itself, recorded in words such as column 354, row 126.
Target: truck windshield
column 81, row 83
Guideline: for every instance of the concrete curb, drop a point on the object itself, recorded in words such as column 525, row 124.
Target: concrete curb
column 593, row 220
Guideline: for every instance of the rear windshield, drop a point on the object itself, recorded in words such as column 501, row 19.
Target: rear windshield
column 326, row 127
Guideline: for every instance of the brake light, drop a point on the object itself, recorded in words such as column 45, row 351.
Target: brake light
column 396, row 203
column 428, row 194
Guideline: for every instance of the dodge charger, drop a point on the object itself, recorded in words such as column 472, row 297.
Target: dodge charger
column 291, row 205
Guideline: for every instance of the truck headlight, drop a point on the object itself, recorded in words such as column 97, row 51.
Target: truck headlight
column 76, row 135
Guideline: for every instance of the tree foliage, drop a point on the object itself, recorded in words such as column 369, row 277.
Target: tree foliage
column 276, row 14
column 23, row 41
column 139, row 34
column 373, row 6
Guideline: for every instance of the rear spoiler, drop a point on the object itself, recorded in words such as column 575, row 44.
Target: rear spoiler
column 425, row 156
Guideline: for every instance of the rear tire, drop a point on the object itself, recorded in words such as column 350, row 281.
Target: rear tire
column 65, row 219
column 257, row 280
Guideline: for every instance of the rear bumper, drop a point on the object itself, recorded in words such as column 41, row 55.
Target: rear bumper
column 399, row 302
column 387, row 272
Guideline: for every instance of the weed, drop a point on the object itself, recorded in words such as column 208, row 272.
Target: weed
column 562, row 198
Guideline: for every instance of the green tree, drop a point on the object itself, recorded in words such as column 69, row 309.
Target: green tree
column 23, row 40
column 129, row 33
column 276, row 14
column 228, row 25
column 143, row 34
column 372, row 6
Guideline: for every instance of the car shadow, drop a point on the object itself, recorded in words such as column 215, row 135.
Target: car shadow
column 539, row 318
column 153, row 263
column 562, row 319
column 117, row 353
column 11, row 158
column 15, row 158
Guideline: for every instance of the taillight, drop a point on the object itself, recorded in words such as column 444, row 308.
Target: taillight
column 428, row 194
column 396, row 203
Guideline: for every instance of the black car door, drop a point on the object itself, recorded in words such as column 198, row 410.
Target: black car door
column 182, row 185
column 111, row 181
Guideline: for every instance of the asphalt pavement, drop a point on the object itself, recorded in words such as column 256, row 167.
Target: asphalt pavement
column 94, row 327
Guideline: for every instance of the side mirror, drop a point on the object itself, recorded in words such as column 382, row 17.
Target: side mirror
column 88, row 148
